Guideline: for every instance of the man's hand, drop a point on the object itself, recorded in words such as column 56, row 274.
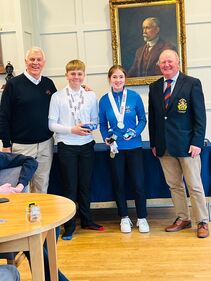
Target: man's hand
column 86, row 88
column 19, row 188
column 7, row 149
column 78, row 130
column 194, row 151
column 6, row 188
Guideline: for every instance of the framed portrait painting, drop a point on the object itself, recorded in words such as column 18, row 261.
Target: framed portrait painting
column 2, row 70
column 141, row 30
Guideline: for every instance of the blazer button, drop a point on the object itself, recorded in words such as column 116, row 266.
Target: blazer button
column 165, row 117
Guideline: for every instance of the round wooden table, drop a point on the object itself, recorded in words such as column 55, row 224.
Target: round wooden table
column 17, row 234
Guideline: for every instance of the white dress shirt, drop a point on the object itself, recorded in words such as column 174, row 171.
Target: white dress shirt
column 61, row 119
column 32, row 79
column 174, row 80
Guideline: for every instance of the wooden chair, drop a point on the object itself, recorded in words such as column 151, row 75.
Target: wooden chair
column 13, row 258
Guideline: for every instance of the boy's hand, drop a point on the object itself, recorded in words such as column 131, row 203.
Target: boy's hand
column 78, row 130
column 7, row 149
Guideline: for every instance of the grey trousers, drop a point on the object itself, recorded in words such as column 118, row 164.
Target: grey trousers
column 43, row 153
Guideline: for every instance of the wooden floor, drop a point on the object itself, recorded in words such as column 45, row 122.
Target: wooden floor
column 113, row 256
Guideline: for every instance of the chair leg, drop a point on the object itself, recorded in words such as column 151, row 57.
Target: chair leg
column 18, row 259
column 12, row 262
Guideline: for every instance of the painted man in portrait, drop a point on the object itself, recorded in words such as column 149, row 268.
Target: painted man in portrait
column 146, row 58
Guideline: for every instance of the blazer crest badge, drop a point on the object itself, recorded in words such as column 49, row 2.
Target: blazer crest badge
column 182, row 105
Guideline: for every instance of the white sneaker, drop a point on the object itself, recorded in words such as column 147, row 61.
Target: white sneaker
column 126, row 225
column 142, row 225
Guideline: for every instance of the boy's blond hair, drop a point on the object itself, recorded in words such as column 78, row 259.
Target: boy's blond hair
column 75, row 65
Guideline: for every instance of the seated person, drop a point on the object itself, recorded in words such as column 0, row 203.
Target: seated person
column 9, row 272
column 12, row 160
column 28, row 167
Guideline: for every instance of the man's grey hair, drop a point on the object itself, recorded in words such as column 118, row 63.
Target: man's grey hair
column 172, row 51
column 154, row 20
column 35, row 49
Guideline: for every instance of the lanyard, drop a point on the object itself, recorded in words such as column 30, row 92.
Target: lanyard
column 75, row 106
column 119, row 114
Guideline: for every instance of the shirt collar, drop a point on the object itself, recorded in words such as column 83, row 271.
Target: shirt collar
column 153, row 42
column 74, row 93
column 32, row 79
column 174, row 78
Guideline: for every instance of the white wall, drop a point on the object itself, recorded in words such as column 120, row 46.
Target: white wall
column 198, row 28
column 69, row 29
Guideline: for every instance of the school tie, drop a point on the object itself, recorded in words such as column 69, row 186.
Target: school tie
column 167, row 93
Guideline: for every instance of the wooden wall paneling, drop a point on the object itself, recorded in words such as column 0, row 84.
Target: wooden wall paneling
column 197, row 12
column 59, row 49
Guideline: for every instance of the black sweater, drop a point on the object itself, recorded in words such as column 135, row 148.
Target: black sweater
column 24, row 111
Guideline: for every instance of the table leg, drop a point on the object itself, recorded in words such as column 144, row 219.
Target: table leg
column 52, row 254
column 36, row 257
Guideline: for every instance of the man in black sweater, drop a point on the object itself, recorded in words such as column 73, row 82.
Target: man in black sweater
column 24, row 117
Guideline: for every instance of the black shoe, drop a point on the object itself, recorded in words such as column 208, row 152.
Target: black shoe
column 93, row 226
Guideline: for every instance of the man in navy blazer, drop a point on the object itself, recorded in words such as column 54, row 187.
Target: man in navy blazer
column 177, row 131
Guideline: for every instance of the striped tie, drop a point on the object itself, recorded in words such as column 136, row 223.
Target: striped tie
column 167, row 93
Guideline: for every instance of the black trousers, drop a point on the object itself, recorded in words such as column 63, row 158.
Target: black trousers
column 129, row 163
column 76, row 163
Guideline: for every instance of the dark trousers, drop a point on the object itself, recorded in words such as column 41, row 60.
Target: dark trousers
column 129, row 163
column 76, row 163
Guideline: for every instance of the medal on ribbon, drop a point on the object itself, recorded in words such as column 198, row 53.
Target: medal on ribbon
column 75, row 106
column 114, row 149
column 120, row 125
column 119, row 114
column 112, row 155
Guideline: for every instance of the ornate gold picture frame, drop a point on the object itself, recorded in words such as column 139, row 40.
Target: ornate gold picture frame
column 2, row 70
column 141, row 30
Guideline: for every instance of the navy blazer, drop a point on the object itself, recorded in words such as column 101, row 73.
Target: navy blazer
column 183, row 123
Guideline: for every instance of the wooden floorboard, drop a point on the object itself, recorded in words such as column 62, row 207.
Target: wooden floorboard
column 113, row 256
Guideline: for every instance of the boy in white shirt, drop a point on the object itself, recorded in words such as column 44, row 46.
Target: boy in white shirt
column 73, row 114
